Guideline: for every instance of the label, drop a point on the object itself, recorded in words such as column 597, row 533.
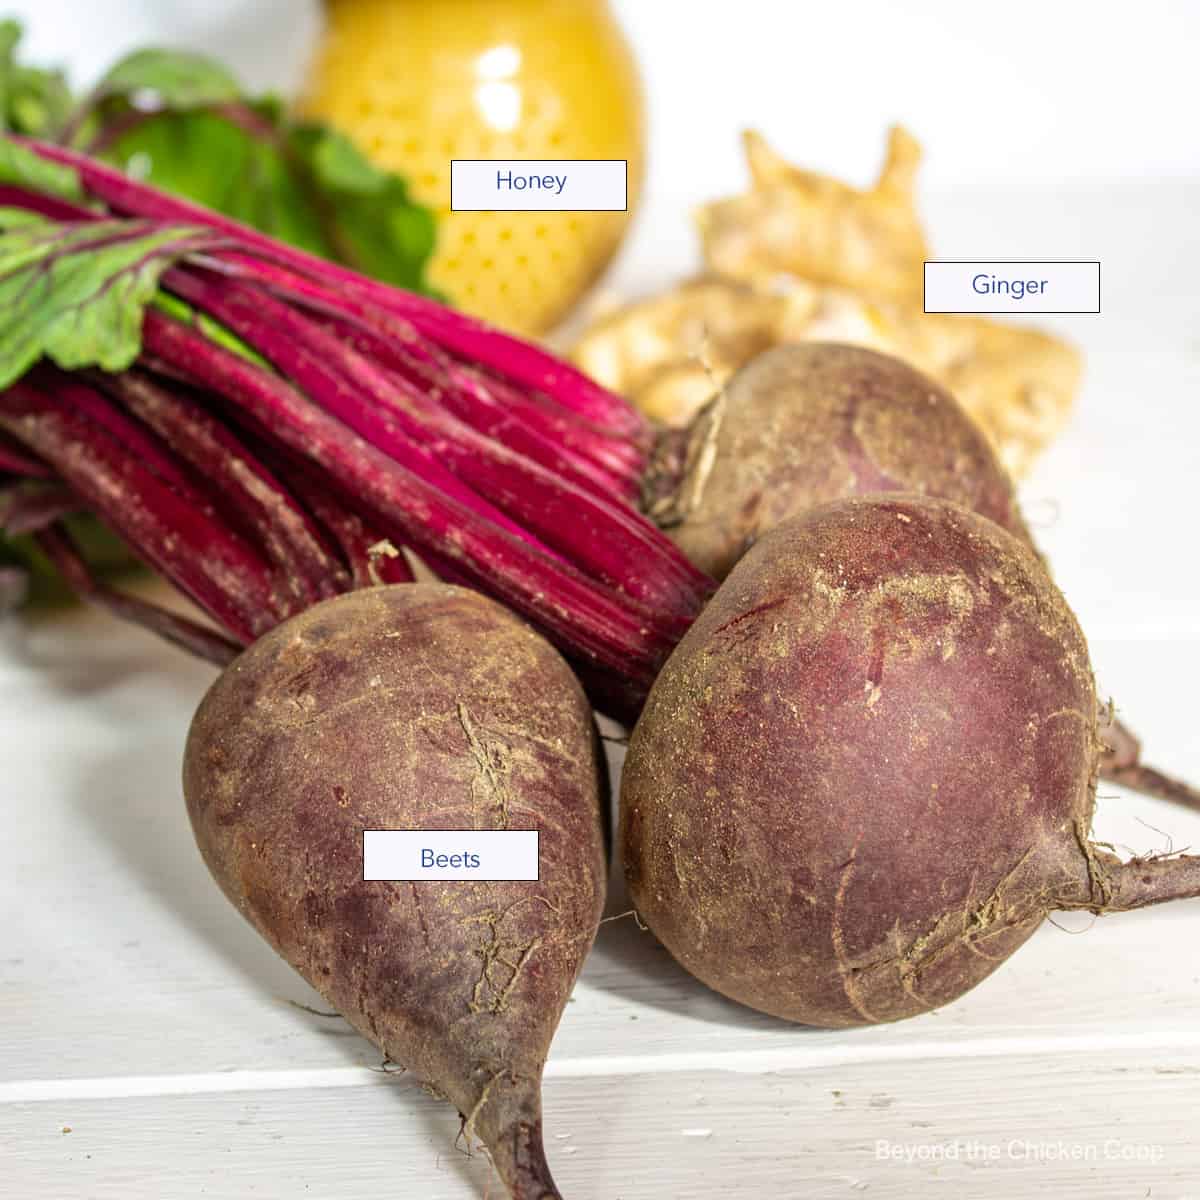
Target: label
column 489, row 855
column 1008, row 286
column 539, row 185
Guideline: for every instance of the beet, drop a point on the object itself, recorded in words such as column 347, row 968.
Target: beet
column 419, row 706
column 816, row 421
column 868, row 771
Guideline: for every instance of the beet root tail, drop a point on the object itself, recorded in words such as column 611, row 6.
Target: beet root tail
column 508, row 1119
column 1121, row 763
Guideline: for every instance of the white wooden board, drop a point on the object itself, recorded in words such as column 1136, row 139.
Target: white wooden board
column 1098, row 1125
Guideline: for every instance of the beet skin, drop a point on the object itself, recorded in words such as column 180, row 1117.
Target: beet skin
column 804, row 424
column 868, row 771
column 420, row 706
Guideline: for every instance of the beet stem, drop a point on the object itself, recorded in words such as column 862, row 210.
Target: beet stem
column 485, row 401
column 608, row 540
column 15, row 461
column 580, row 616
column 27, row 509
column 310, row 358
column 354, row 537
column 240, row 484
column 188, row 635
column 210, row 563
column 134, row 437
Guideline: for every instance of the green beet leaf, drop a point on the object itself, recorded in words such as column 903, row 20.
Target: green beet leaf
column 181, row 121
column 22, row 168
column 33, row 101
column 76, row 293
column 300, row 182
column 170, row 79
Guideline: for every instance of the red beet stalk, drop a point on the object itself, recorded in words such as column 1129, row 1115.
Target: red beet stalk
column 207, row 561
column 307, row 356
column 187, row 634
column 244, row 489
column 467, row 391
column 26, row 509
column 585, row 618
column 15, row 460
column 370, row 556
column 71, row 393
column 610, row 541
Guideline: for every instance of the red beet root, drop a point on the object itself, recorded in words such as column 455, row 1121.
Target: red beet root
column 421, row 707
column 868, row 772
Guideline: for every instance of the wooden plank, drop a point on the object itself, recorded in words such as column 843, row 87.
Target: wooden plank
column 1129, row 1117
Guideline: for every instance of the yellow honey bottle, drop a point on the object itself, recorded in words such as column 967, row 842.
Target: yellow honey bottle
column 416, row 83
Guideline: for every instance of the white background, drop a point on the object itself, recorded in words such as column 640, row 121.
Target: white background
column 1038, row 91
column 137, row 1008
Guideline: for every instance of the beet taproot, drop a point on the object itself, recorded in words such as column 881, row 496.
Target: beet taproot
column 419, row 706
column 868, row 771
column 811, row 422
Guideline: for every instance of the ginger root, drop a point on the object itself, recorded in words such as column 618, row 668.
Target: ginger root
column 802, row 256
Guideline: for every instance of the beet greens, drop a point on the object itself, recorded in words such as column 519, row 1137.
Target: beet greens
column 267, row 429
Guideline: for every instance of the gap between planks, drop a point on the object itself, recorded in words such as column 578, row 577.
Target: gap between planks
column 744, row 1062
